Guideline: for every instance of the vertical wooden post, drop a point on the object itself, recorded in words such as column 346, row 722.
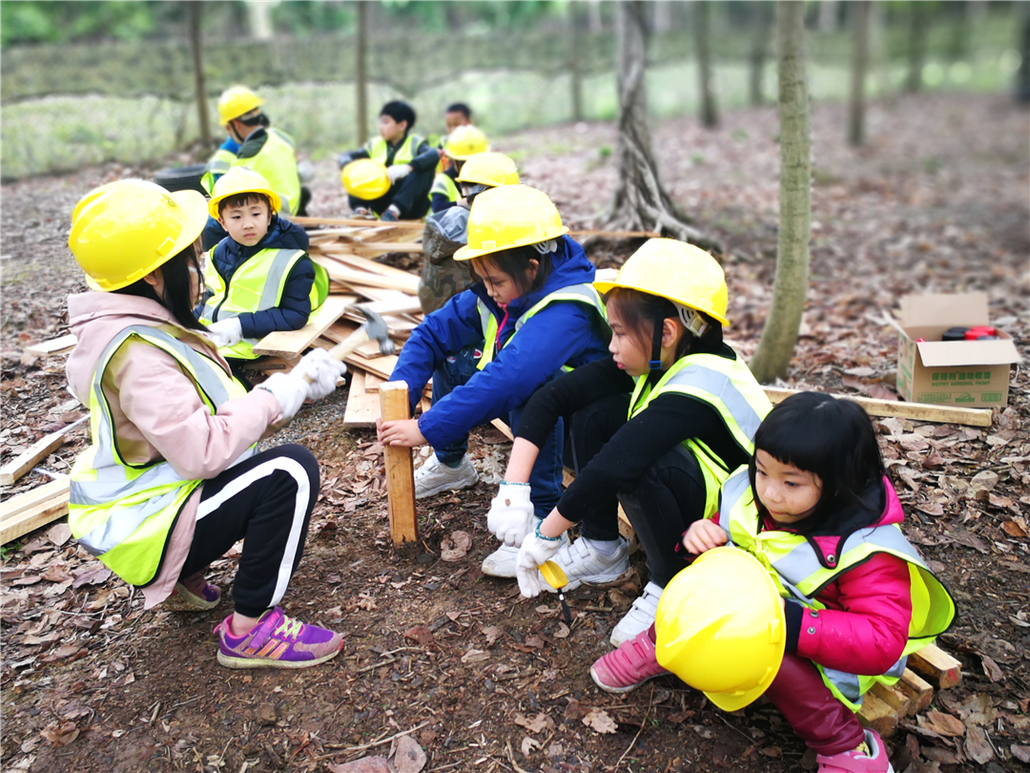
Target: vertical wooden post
column 196, row 48
column 400, row 480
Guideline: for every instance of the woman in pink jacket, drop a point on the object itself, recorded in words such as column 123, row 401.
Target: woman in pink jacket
column 172, row 478
column 815, row 506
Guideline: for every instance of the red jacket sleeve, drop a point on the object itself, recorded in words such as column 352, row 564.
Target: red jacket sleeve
column 866, row 629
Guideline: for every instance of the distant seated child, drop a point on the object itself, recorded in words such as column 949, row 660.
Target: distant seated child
column 462, row 144
column 457, row 114
column 259, row 278
column 409, row 161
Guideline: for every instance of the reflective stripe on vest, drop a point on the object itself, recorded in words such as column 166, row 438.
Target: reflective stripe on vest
column 257, row 284
column 219, row 164
column 278, row 164
column 794, row 565
column 378, row 150
column 581, row 293
column 443, row 185
column 726, row 385
column 123, row 513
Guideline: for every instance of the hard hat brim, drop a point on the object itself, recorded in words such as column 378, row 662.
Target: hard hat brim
column 605, row 287
column 470, row 253
column 273, row 198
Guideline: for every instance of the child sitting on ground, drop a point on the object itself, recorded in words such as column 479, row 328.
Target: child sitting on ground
column 259, row 278
column 410, row 164
column 815, row 506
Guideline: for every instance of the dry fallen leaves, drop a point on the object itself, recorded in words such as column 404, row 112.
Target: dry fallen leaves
column 599, row 720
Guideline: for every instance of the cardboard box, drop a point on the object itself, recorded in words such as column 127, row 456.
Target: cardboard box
column 967, row 374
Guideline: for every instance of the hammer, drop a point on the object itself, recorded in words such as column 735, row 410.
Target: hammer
column 373, row 329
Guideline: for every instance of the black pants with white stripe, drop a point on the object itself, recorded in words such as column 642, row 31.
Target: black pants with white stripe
column 266, row 501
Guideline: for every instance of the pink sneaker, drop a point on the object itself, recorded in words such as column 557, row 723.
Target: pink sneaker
column 277, row 641
column 193, row 594
column 627, row 667
column 869, row 757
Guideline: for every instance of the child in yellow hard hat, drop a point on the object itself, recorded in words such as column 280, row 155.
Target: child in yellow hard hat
column 462, row 144
column 852, row 598
column 172, row 478
column 656, row 427
column 410, row 164
column 259, row 278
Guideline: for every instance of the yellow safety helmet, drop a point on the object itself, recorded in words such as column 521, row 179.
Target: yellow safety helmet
column 238, row 180
column 681, row 272
column 720, row 627
column 365, row 179
column 489, row 168
column 236, row 101
column 123, row 230
column 465, row 142
column 510, row 216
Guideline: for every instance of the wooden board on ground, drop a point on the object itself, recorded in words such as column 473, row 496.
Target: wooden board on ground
column 54, row 346
column 356, row 278
column 362, row 406
column 937, row 666
column 878, row 715
column 400, row 483
column 942, row 414
column 292, row 343
column 31, row 456
column 356, row 222
column 27, row 512
column 370, row 350
column 372, row 382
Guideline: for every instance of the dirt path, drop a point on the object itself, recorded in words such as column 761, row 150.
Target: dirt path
column 486, row 681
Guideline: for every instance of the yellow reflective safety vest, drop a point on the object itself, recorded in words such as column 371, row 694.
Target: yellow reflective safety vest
column 580, row 293
column 218, row 165
column 378, row 150
column 257, row 284
column 444, row 185
column 798, row 573
column 277, row 163
column 123, row 513
column 726, row 385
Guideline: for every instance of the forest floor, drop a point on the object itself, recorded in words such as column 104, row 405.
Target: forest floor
column 478, row 678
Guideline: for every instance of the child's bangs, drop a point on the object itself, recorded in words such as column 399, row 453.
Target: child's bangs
column 244, row 199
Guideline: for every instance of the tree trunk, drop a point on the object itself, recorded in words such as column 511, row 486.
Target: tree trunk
column 859, row 67
column 575, row 76
column 1022, row 13
column 827, row 16
column 640, row 203
column 702, row 34
column 918, row 22
column 594, row 17
column 762, row 18
column 361, row 75
column 772, row 358
column 259, row 15
column 878, row 53
column 196, row 48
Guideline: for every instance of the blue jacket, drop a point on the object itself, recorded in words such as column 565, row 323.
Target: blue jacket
column 561, row 333
column 295, row 305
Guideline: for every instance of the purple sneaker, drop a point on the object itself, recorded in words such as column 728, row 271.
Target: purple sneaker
column 277, row 641
column 627, row 667
column 193, row 594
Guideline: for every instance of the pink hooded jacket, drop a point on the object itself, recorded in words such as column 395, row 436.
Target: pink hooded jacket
column 156, row 410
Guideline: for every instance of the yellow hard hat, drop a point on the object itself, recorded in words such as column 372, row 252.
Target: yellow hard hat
column 465, row 142
column 720, row 627
column 236, row 101
column 365, row 179
column 490, row 168
column 510, row 216
column 123, row 230
column 681, row 272
column 237, row 180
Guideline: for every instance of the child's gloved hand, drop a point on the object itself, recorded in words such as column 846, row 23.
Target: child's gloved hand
column 343, row 159
column 289, row 390
column 225, row 332
column 321, row 371
column 398, row 172
column 532, row 555
column 511, row 514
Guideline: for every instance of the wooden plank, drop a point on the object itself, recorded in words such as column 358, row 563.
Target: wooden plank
column 878, row 715
column 380, row 366
column 372, row 382
column 362, row 406
column 27, row 512
column 370, row 350
column 919, row 691
column 937, row 666
column 290, row 343
column 31, row 456
column 401, row 303
column 400, row 481
column 19, row 504
column 894, row 697
column 59, row 345
column 942, row 414
column 383, row 247
column 356, row 222
column 352, row 277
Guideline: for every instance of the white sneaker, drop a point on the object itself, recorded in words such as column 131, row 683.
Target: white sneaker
column 582, row 564
column 501, row 563
column 434, row 477
column 640, row 616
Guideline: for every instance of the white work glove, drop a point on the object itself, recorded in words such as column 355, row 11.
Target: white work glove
column 321, row 371
column 289, row 390
column 225, row 332
column 511, row 514
column 534, row 553
column 398, row 172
